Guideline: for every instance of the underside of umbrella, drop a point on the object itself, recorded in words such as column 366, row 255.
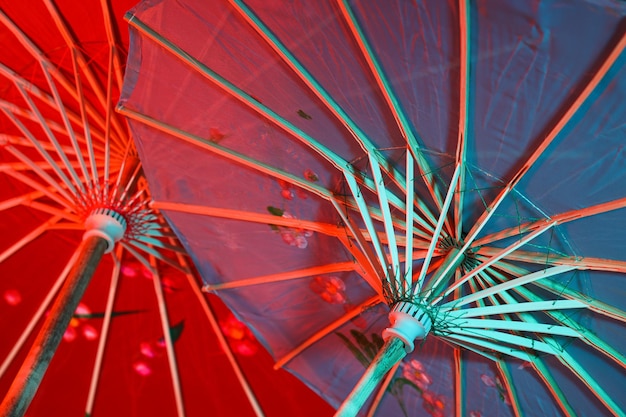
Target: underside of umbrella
column 144, row 339
column 456, row 167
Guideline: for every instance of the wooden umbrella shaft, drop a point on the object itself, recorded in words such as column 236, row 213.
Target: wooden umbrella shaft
column 391, row 353
column 31, row 373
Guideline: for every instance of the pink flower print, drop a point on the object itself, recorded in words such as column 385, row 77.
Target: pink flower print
column 330, row 288
column 487, row 380
column 311, row 176
column 287, row 194
column 79, row 327
column 12, row 297
column 215, row 135
column 497, row 383
column 434, row 404
column 414, row 372
column 475, row 414
column 240, row 338
column 142, row 368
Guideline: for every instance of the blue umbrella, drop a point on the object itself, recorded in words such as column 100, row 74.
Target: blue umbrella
column 416, row 206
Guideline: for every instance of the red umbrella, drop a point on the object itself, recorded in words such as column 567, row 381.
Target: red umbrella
column 350, row 176
column 143, row 339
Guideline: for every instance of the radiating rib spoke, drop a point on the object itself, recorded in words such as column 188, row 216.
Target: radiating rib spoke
column 354, row 312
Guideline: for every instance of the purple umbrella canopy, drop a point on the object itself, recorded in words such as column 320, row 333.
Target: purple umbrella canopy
column 417, row 207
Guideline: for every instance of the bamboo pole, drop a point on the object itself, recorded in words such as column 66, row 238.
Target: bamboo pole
column 31, row 373
column 390, row 354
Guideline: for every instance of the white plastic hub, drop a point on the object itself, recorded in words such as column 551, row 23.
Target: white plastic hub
column 408, row 323
column 107, row 224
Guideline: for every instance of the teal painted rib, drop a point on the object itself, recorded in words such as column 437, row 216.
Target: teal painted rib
column 563, row 291
column 586, row 378
column 395, row 106
column 362, row 205
column 359, row 135
column 544, row 273
column 231, row 89
column 521, row 326
column 408, row 250
column 464, row 94
column 517, row 307
column 586, row 336
column 435, row 238
column 507, row 380
column 501, row 254
column 394, row 273
column 464, row 340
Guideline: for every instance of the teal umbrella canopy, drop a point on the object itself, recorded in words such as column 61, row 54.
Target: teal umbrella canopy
column 418, row 207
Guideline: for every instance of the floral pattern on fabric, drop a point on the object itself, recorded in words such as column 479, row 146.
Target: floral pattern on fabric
column 12, row 297
column 290, row 235
column 413, row 372
column 330, row 288
column 497, row 384
column 151, row 350
column 240, row 338
column 79, row 327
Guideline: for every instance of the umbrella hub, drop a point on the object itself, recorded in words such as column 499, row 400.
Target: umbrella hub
column 408, row 322
column 106, row 224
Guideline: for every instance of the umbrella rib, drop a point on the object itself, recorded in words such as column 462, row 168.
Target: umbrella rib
column 28, row 238
column 325, row 152
column 512, row 308
column 210, row 315
column 501, row 254
column 165, row 327
column 559, row 219
column 269, row 219
column 152, row 252
column 283, row 276
column 566, row 359
column 404, row 124
column 37, row 54
column 586, row 336
column 500, row 337
column 517, row 282
column 512, row 325
column 562, row 291
column 369, row 225
column 22, row 199
column 43, row 307
column 459, row 383
column 472, row 343
column 45, row 155
column 569, row 362
column 594, row 264
column 394, row 272
column 92, row 79
column 372, row 271
column 464, row 94
column 62, row 198
column 104, row 332
column 54, row 126
column 109, row 24
column 508, row 383
column 436, row 235
column 85, row 123
column 69, row 130
column 327, row 330
column 359, row 135
column 224, row 152
column 553, row 386
column 558, row 127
